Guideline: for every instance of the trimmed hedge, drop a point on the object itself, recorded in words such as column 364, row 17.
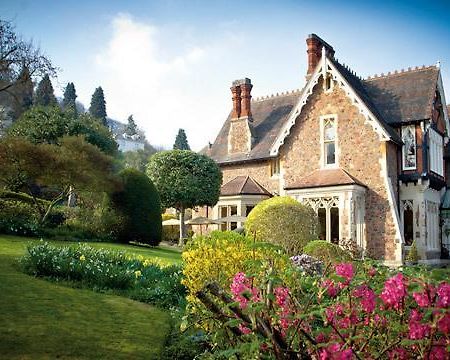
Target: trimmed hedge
column 327, row 252
column 140, row 206
column 283, row 221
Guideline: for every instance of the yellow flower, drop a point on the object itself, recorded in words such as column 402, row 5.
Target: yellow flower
column 137, row 273
column 82, row 258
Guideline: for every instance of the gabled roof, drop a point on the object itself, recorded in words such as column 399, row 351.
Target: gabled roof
column 243, row 185
column 404, row 96
column 269, row 114
column 325, row 177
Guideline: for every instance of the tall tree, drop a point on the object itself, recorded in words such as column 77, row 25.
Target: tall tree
column 22, row 93
column 98, row 105
column 131, row 127
column 17, row 54
column 185, row 179
column 45, row 95
column 181, row 142
column 70, row 97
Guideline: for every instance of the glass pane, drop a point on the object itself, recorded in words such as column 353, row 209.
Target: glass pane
column 223, row 211
column 408, row 221
column 329, row 132
column 248, row 209
column 334, row 216
column 331, row 158
column 322, row 214
column 233, row 210
column 233, row 225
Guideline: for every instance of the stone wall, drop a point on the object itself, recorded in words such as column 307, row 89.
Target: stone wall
column 240, row 136
column 360, row 152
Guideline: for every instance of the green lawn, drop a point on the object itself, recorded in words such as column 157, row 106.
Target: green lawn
column 42, row 320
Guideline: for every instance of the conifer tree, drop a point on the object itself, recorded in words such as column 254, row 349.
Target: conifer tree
column 22, row 93
column 70, row 96
column 181, row 142
column 45, row 95
column 131, row 127
column 98, row 105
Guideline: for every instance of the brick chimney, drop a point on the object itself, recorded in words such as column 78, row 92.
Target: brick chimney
column 314, row 50
column 240, row 135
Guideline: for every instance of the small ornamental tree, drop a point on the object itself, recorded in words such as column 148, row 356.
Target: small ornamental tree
column 181, row 142
column 283, row 221
column 139, row 203
column 98, row 105
column 45, row 95
column 185, row 179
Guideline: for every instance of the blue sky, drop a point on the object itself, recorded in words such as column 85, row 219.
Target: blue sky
column 171, row 63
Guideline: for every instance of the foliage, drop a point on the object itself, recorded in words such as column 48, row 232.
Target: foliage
column 45, row 95
column 181, row 142
column 348, row 314
column 70, row 98
column 136, row 159
column 98, row 105
column 327, row 252
column 48, row 124
column 185, row 179
column 219, row 255
column 18, row 218
column 283, row 221
column 413, row 255
column 140, row 206
column 136, row 277
column 21, row 94
column 16, row 55
column 131, row 127
column 73, row 163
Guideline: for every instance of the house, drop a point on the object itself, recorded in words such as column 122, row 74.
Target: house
column 126, row 142
column 366, row 154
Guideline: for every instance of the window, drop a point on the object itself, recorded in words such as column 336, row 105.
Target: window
column 328, row 215
column 409, row 147
column 275, row 167
column 408, row 221
column 436, row 152
column 248, row 208
column 328, row 83
column 329, row 141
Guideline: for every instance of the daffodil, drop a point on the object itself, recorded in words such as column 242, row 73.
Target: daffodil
column 82, row 258
column 137, row 273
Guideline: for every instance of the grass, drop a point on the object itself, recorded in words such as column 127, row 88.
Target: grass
column 43, row 320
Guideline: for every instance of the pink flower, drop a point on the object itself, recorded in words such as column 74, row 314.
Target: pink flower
column 244, row 329
column 444, row 324
column 394, row 292
column 426, row 297
column 398, row 354
column 372, row 272
column 417, row 330
column 242, row 285
column 346, row 271
column 367, row 296
column 334, row 352
column 332, row 290
column 438, row 353
column 443, row 295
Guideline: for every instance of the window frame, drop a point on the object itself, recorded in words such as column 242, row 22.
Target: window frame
column 323, row 120
column 403, row 130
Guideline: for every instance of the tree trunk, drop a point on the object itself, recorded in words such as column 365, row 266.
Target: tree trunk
column 71, row 200
column 182, row 227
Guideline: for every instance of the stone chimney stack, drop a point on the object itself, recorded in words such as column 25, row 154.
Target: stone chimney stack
column 240, row 135
column 314, row 50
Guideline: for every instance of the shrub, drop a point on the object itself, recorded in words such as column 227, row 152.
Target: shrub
column 413, row 255
column 283, row 221
column 135, row 277
column 140, row 206
column 19, row 218
column 327, row 252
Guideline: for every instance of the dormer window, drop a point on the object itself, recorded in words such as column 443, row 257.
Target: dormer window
column 329, row 141
column 409, row 147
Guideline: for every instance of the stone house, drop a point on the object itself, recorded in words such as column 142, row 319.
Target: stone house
column 366, row 154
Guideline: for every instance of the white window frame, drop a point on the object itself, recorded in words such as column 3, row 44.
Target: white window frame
column 436, row 152
column 323, row 160
column 275, row 167
column 404, row 129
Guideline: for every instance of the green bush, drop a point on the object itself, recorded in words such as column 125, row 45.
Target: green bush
column 327, row 252
column 100, row 269
column 413, row 255
column 139, row 203
column 283, row 221
column 19, row 218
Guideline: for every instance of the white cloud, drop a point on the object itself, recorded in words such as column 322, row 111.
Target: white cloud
column 184, row 89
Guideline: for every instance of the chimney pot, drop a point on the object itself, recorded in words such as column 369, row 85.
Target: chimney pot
column 236, row 97
column 314, row 50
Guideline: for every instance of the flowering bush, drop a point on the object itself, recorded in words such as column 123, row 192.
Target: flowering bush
column 142, row 279
column 364, row 313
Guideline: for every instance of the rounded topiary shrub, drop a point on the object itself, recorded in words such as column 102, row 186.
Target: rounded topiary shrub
column 283, row 221
column 139, row 204
column 327, row 252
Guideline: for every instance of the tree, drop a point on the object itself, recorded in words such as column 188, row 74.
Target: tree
column 283, row 221
column 181, row 142
column 70, row 97
column 185, row 179
column 74, row 162
column 21, row 94
column 48, row 124
column 17, row 54
column 140, row 206
column 131, row 127
column 45, row 95
column 98, row 105
column 136, row 159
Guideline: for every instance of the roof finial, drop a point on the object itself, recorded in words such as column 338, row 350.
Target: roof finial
column 438, row 64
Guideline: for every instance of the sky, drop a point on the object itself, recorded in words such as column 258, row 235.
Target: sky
column 171, row 63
